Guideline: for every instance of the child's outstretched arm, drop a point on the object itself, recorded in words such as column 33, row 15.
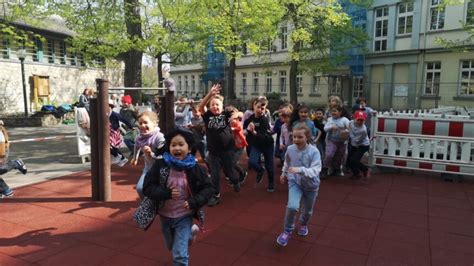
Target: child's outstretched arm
column 216, row 88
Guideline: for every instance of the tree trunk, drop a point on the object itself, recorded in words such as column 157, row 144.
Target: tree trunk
column 133, row 58
column 159, row 66
column 230, row 90
column 293, row 74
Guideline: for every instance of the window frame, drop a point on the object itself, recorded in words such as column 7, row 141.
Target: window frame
column 383, row 18
column 299, row 83
column 434, row 71
column 405, row 15
column 243, row 77
column 282, row 78
column 357, row 87
column 467, row 20
column 255, row 81
column 284, row 37
column 470, row 82
column 440, row 15
column 316, row 85
column 268, row 83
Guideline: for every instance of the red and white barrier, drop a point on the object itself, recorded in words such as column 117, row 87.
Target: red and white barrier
column 430, row 142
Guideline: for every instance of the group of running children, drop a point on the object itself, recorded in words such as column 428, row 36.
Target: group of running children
column 309, row 150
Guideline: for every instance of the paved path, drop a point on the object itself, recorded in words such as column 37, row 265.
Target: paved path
column 45, row 159
column 394, row 219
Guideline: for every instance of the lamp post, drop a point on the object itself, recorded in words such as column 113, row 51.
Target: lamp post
column 22, row 55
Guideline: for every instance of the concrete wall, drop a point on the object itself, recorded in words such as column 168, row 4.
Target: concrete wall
column 66, row 83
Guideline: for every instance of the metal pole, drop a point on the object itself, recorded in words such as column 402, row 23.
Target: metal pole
column 95, row 186
column 169, row 111
column 25, row 101
column 380, row 90
column 104, row 145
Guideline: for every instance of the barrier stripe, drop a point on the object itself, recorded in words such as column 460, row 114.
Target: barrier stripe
column 428, row 127
column 381, row 125
column 456, row 129
column 41, row 139
column 400, row 163
column 426, row 165
column 402, row 126
column 453, row 168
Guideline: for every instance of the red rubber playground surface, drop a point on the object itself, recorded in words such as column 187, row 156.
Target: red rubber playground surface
column 393, row 219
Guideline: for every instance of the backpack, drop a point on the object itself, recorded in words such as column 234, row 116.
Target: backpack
column 48, row 109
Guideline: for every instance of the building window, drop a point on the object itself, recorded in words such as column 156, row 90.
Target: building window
column 299, row 83
column 4, row 47
column 60, row 52
column 358, row 87
column 405, row 18
column 72, row 58
column 335, row 86
column 186, row 84
column 433, row 74
column 180, row 83
column 269, row 83
column 284, row 37
column 255, row 81
column 470, row 12
column 50, row 52
column 193, row 83
column 283, row 81
column 437, row 15
column 316, row 86
column 381, row 29
column 244, row 82
column 467, row 78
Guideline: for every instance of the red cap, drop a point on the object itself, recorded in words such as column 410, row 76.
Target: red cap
column 127, row 99
column 360, row 115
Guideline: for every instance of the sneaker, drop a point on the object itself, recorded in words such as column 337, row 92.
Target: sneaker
column 7, row 193
column 259, row 177
column 330, row 171
column 271, row 187
column 303, row 230
column 122, row 162
column 366, row 174
column 339, row 172
column 194, row 232
column 115, row 159
column 214, row 200
column 229, row 183
column 20, row 166
column 283, row 238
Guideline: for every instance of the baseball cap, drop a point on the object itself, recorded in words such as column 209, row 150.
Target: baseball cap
column 360, row 115
column 127, row 99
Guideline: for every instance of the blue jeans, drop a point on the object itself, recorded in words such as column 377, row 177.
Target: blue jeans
column 176, row 232
column 295, row 196
column 139, row 187
column 130, row 144
column 268, row 155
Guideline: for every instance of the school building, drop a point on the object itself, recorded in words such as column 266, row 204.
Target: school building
column 52, row 73
column 403, row 67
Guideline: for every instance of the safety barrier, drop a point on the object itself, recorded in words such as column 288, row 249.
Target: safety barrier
column 423, row 141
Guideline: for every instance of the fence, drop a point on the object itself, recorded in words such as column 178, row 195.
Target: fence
column 424, row 141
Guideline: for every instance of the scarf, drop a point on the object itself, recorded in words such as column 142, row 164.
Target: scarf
column 148, row 139
column 188, row 162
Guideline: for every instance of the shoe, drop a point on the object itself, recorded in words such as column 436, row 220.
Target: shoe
column 330, row 171
column 115, row 159
column 303, row 230
column 214, row 200
column 243, row 178
column 259, row 177
column 366, row 174
column 339, row 172
column 237, row 187
column 122, row 162
column 271, row 187
column 229, row 183
column 323, row 174
column 7, row 193
column 194, row 232
column 283, row 238
column 20, row 166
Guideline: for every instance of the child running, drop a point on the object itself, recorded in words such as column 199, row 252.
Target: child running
column 150, row 141
column 301, row 169
column 359, row 145
column 220, row 141
column 181, row 187
column 336, row 142
column 115, row 137
column 7, row 165
column 259, row 137
column 285, row 135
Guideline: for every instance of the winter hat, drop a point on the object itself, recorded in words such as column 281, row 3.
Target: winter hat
column 127, row 99
column 360, row 115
